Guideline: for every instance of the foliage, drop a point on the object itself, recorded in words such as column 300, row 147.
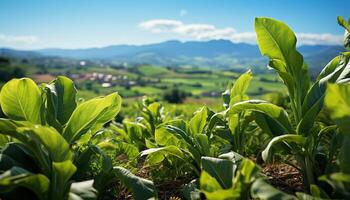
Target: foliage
column 45, row 124
column 53, row 147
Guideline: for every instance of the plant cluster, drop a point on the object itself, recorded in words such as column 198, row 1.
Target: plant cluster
column 53, row 147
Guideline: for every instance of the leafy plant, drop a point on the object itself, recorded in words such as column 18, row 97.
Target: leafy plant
column 227, row 178
column 188, row 142
column 299, row 134
column 45, row 126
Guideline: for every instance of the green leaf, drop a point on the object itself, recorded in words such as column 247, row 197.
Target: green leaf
column 157, row 155
column 312, row 105
column 343, row 23
column 338, row 103
column 288, row 138
column 203, row 144
column 346, row 26
column 61, row 174
column 104, row 174
column 164, row 138
column 318, row 192
column 240, row 86
column 19, row 177
column 221, row 169
column 277, row 41
column 14, row 155
column 54, row 143
column 212, row 189
column 337, row 71
column 135, row 131
column 61, row 102
column 329, row 68
column 139, row 187
column 20, row 99
column 198, row 121
column 276, row 113
column 91, row 116
column 262, row 190
column 268, row 124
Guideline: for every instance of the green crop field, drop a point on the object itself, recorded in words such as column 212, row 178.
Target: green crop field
column 154, row 132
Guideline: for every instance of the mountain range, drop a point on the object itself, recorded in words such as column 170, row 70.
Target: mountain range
column 213, row 53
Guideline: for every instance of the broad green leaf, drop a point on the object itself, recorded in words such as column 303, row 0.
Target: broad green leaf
column 82, row 191
column 338, row 70
column 135, row 131
column 61, row 174
column 181, row 134
column 329, row 68
column 276, row 113
column 248, row 171
column 268, row 124
column 156, row 155
column 130, row 150
column 54, row 143
column 91, row 116
column 164, row 138
column 19, row 177
column 312, row 105
column 104, row 174
column 212, row 189
column 216, row 119
column 4, row 140
column 277, row 41
column 245, row 176
column 61, row 102
column 288, row 138
column 14, row 155
column 233, row 122
column 318, row 192
column 262, row 190
column 139, row 187
column 20, row 99
column 198, row 121
column 338, row 102
column 238, row 91
column 44, row 142
column 221, row 169
column 203, row 144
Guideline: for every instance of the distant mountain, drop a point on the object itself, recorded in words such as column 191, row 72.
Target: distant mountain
column 214, row 53
column 18, row 53
column 172, row 48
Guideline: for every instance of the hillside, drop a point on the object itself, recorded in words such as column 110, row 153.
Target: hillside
column 213, row 53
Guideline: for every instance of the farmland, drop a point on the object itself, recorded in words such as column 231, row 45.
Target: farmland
column 156, row 132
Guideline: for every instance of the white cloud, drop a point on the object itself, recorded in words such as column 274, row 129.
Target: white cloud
column 24, row 39
column 326, row 38
column 183, row 12
column 209, row 32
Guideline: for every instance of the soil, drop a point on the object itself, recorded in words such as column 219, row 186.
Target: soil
column 284, row 177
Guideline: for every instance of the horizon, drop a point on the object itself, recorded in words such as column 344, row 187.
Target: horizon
column 156, row 43
column 78, row 24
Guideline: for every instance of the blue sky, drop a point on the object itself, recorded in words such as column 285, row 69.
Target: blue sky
column 33, row 24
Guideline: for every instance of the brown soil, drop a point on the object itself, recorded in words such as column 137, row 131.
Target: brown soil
column 284, row 177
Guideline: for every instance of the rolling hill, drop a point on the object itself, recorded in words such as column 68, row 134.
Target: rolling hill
column 213, row 53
